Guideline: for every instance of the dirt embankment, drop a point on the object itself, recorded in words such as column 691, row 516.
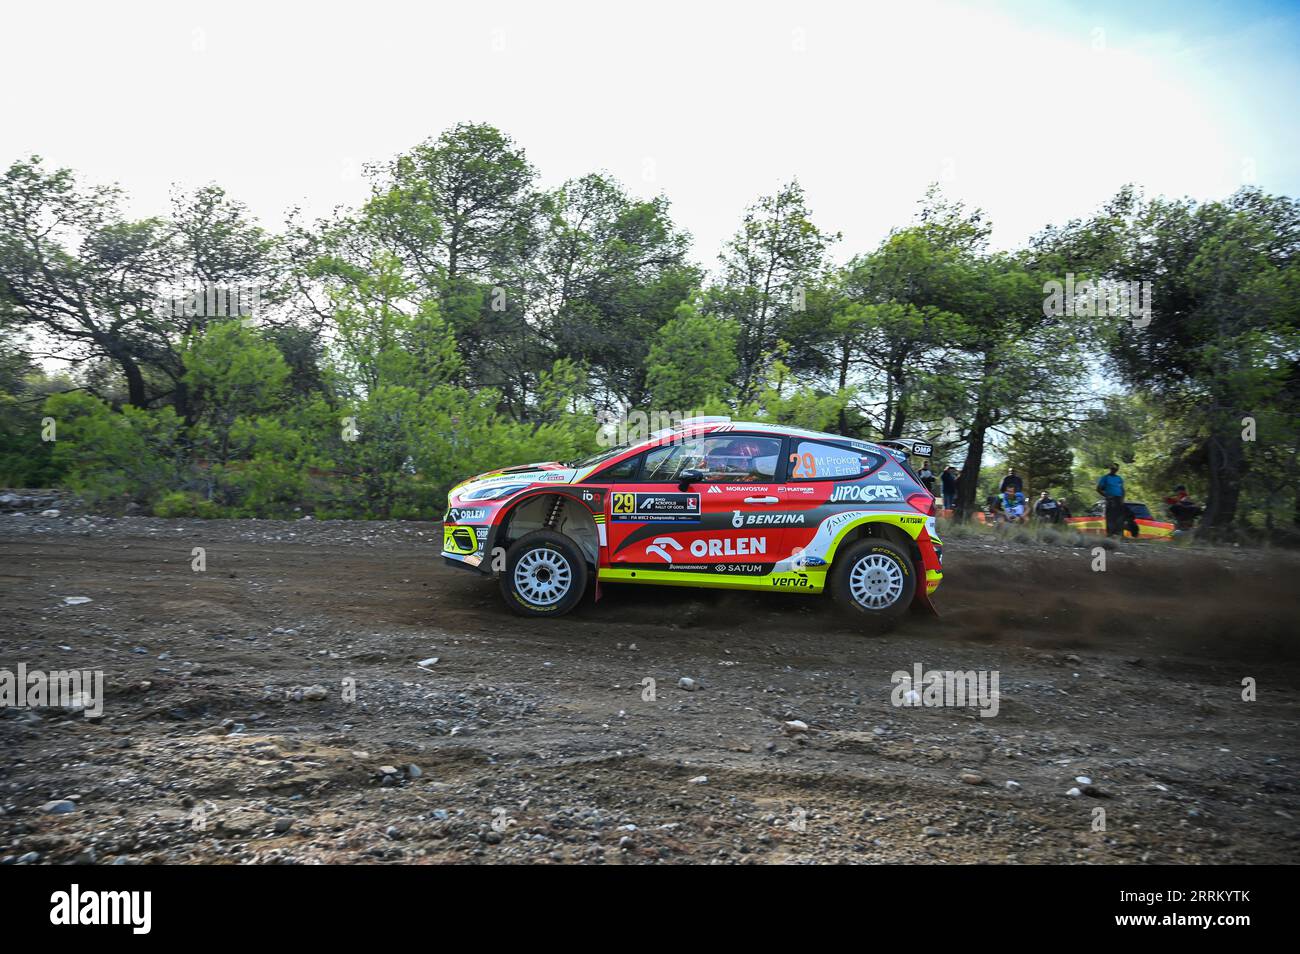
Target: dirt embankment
column 229, row 732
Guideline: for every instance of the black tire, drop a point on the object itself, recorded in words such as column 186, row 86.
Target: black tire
column 545, row 575
column 875, row 579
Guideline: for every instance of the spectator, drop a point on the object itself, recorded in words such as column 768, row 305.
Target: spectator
column 1011, row 482
column 1013, row 505
column 948, row 483
column 1111, row 487
column 927, row 477
column 1047, row 509
column 1183, row 508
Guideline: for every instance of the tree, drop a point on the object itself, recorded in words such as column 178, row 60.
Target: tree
column 878, row 326
column 105, row 289
column 610, row 272
column 477, row 184
column 783, row 398
column 1009, row 363
column 1043, row 458
column 1225, row 324
column 767, row 269
column 692, row 361
column 110, row 455
column 233, row 373
column 72, row 266
column 459, row 215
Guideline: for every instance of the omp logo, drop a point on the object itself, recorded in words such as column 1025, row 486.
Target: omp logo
column 865, row 492
column 658, row 547
column 103, row 907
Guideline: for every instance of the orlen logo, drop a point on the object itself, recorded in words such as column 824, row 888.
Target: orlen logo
column 865, row 492
column 741, row 546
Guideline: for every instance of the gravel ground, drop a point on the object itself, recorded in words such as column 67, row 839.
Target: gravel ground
column 330, row 692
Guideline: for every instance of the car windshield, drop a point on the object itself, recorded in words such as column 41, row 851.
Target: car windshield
column 601, row 456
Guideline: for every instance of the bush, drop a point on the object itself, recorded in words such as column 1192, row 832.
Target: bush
column 111, row 455
column 179, row 503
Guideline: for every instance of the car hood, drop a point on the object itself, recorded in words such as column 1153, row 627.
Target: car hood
column 545, row 472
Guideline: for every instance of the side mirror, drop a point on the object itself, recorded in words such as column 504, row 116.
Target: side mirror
column 688, row 477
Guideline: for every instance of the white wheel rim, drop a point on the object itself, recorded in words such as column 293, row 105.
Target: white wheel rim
column 876, row 581
column 543, row 576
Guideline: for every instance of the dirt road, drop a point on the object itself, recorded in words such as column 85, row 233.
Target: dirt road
column 539, row 741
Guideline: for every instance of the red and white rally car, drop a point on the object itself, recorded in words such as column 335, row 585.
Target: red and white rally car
column 711, row 503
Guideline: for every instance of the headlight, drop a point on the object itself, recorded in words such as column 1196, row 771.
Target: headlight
column 492, row 493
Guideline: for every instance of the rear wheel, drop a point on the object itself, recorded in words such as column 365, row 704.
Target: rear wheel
column 545, row 574
column 873, row 578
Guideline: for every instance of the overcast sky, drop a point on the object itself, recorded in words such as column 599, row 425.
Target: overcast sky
column 1035, row 111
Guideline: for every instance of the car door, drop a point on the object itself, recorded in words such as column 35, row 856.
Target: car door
column 658, row 524
column 828, row 484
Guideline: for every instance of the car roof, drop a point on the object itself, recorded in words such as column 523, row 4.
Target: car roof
column 686, row 428
column 700, row 427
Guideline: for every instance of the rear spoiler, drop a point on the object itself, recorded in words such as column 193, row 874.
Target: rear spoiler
column 910, row 446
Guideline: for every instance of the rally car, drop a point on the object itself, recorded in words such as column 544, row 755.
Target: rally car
column 709, row 503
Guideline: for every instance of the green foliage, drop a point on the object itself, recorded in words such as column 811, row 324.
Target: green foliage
column 693, row 360
column 115, row 457
column 180, row 503
column 26, row 460
column 1042, row 457
column 462, row 318
column 783, row 400
column 768, row 268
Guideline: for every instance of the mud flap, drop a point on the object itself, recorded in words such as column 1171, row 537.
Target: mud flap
column 922, row 604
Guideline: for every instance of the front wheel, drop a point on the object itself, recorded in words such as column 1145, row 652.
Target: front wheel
column 874, row 578
column 545, row 574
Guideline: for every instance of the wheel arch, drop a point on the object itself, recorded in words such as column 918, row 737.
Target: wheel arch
column 878, row 527
column 551, row 509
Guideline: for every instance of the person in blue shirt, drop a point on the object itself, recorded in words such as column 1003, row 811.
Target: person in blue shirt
column 1111, row 487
